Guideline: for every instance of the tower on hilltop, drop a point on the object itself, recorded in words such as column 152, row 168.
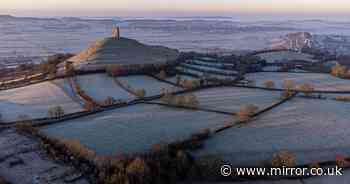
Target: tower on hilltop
column 116, row 33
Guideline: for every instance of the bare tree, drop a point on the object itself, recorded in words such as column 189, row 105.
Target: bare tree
column 178, row 79
column 113, row 70
column 109, row 101
column 140, row 93
column 339, row 70
column 162, row 74
column 288, row 84
column 269, row 84
column 306, row 88
column 283, row 158
column 56, row 112
column 246, row 112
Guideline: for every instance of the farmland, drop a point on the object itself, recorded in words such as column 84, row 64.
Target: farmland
column 136, row 128
column 296, row 126
column 284, row 56
column 324, row 82
column 111, row 120
column 100, row 86
column 231, row 99
column 34, row 102
column 150, row 85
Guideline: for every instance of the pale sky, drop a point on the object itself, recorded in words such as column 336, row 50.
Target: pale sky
column 171, row 7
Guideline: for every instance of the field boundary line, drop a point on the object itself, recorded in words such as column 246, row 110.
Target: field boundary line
column 191, row 108
column 165, row 81
column 293, row 90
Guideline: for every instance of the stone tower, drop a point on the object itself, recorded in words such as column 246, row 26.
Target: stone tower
column 116, row 33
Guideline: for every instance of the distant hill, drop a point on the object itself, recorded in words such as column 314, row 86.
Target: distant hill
column 294, row 41
column 123, row 51
column 13, row 18
column 6, row 17
column 334, row 44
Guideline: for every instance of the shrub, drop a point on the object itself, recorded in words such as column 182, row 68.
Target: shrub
column 283, row 158
column 162, row 74
column 307, row 89
column 89, row 106
column 75, row 148
column 178, row 79
column 26, row 128
column 246, row 112
column 190, row 100
column 343, row 98
column 140, row 93
column 269, row 84
column 69, row 69
column 138, row 171
column 288, row 84
column 109, row 101
column 341, row 161
column 190, row 84
column 56, row 112
column 167, row 96
column 339, row 70
column 286, row 94
column 113, row 70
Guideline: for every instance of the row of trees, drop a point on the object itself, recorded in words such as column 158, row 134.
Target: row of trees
column 343, row 98
column 115, row 70
column 50, row 66
column 56, row 112
column 340, row 71
column 289, row 86
column 188, row 100
column 246, row 112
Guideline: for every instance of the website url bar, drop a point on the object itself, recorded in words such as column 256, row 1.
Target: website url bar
column 227, row 170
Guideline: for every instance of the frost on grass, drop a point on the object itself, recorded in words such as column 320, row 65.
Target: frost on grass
column 34, row 101
column 101, row 86
column 150, row 85
column 231, row 99
column 313, row 130
column 284, row 56
column 136, row 128
column 318, row 81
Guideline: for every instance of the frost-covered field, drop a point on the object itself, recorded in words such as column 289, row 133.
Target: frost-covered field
column 136, row 128
column 64, row 85
column 34, row 101
column 203, row 61
column 101, row 86
column 230, row 99
column 282, row 56
column 151, row 85
column 210, row 69
column 271, row 68
column 200, row 74
column 318, row 81
column 183, row 77
column 313, row 130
